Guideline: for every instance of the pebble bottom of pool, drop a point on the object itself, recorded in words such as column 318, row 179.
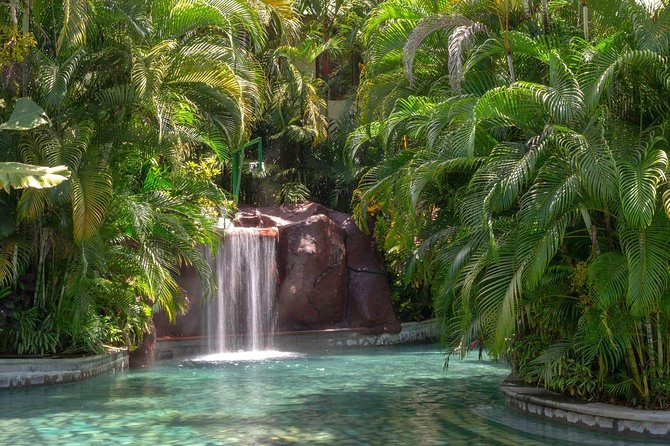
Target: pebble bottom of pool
column 376, row 396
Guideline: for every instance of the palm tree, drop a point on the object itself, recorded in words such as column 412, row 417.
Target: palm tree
column 133, row 90
column 513, row 187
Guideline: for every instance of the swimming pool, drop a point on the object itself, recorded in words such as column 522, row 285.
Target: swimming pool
column 374, row 396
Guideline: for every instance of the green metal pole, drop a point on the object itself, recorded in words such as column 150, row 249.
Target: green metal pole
column 238, row 160
column 238, row 185
column 234, row 181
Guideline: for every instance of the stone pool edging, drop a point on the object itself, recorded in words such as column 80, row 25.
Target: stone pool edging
column 27, row 372
column 602, row 417
column 410, row 333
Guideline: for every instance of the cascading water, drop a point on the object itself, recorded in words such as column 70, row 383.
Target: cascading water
column 242, row 313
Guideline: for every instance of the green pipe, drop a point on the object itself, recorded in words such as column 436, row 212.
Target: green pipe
column 238, row 161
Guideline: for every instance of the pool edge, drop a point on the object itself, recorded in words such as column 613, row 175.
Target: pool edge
column 30, row 372
column 606, row 418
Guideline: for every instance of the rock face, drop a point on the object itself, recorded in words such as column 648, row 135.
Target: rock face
column 369, row 292
column 330, row 274
column 190, row 323
column 312, row 275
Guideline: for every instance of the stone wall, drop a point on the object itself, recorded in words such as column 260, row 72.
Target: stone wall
column 43, row 371
column 410, row 333
column 596, row 416
column 175, row 348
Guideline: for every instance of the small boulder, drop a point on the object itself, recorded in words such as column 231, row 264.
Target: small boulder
column 143, row 355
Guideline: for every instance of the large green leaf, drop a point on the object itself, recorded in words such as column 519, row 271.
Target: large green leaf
column 646, row 250
column 90, row 193
column 76, row 16
column 638, row 186
column 19, row 175
column 26, row 115
column 608, row 278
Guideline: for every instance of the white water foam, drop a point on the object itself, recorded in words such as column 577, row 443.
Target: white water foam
column 247, row 356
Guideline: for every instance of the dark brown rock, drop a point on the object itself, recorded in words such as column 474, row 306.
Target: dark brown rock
column 305, row 302
column 143, row 356
column 370, row 310
column 248, row 217
column 313, row 275
column 330, row 274
column 190, row 323
column 287, row 214
column 362, row 254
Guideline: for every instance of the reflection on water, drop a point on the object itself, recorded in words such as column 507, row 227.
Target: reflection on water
column 385, row 396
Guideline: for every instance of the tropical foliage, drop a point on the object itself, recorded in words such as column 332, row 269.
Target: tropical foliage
column 26, row 116
column 524, row 180
column 136, row 94
column 121, row 117
column 302, row 151
column 511, row 158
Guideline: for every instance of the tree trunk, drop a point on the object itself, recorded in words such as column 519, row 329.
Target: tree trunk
column 510, row 64
column 526, row 8
column 39, row 298
column 608, row 229
column 25, row 18
column 585, row 10
column 659, row 345
column 632, row 366
column 326, row 61
column 25, row 29
column 595, row 246
column 594, row 240
column 545, row 17
column 650, row 346
column 13, row 15
column 143, row 355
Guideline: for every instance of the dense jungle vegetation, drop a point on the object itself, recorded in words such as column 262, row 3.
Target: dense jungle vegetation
column 510, row 157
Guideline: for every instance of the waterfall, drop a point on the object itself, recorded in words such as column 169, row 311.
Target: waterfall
column 241, row 314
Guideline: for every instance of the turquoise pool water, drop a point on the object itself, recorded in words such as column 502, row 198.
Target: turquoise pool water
column 385, row 396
